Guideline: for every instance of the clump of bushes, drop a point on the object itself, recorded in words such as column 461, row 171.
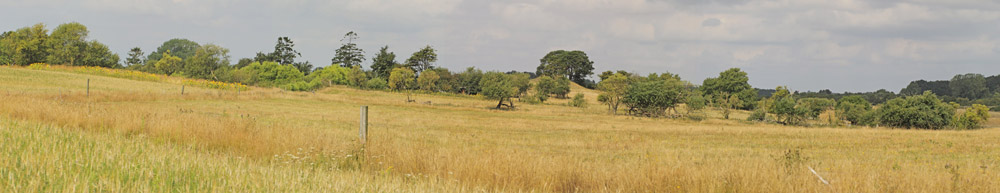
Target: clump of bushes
column 578, row 101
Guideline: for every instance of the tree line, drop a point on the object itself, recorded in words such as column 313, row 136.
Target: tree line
column 923, row 104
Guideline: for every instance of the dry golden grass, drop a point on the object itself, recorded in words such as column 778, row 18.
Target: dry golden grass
column 540, row 148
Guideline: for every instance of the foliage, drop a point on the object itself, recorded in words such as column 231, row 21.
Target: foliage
column 787, row 112
column 695, row 102
column 305, row 67
column 357, row 76
column 730, row 82
column 349, row 55
column 24, row 46
column 168, row 64
column 330, row 75
column 941, row 87
column 422, row 60
column 376, row 84
column 757, row 115
column 521, row 81
column 972, row 118
column 273, row 74
column 970, row 86
column 924, row 111
column 578, row 101
column 135, row 57
column 383, row 62
column 214, row 84
column 815, row 106
column 302, row 86
column 613, row 89
column 498, row 86
column 468, row 81
column 206, row 60
column 428, row 81
column 402, row 79
column 853, row 108
column 559, row 87
column 652, row 98
column 574, row 65
column 284, row 52
column 181, row 48
column 67, row 44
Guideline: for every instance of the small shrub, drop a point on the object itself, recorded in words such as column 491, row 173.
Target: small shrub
column 302, row 86
column 376, row 84
column 757, row 115
column 578, row 101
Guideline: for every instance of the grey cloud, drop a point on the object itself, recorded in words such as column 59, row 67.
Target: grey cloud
column 711, row 22
column 806, row 45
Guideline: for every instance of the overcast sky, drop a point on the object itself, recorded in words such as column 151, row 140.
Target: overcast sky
column 843, row 45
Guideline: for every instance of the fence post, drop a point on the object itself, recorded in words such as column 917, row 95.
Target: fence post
column 182, row 89
column 88, row 87
column 363, row 131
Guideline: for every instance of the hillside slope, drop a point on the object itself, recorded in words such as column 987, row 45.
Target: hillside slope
column 447, row 142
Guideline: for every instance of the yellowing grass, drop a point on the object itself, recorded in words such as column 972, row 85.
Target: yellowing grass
column 40, row 158
column 540, row 148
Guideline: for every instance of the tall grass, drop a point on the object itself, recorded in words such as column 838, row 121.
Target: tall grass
column 540, row 148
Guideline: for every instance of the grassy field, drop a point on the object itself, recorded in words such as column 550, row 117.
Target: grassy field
column 145, row 136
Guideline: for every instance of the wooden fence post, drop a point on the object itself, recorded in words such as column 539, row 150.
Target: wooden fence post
column 363, row 131
column 88, row 87
column 182, row 89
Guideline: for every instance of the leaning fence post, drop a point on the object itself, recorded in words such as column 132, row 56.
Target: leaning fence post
column 363, row 131
column 182, row 89
column 88, row 87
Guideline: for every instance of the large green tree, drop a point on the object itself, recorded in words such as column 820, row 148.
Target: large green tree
column 284, row 51
column 921, row 111
column 730, row 82
column 349, row 55
column 168, row 64
column 574, row 65
column 383, row 62
column 402, row 79
column 498, row 86
column 652, row 97
column 853, row 109
column 135, row 57
column 273, row 74
column 423, row 59
column 181, row 48
column 206, row 60
column 613, row 89
column 97, row 54
column 67, row 44
column 24, row 46
column 969, row 86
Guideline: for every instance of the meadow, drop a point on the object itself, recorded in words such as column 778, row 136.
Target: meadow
column 144, row 136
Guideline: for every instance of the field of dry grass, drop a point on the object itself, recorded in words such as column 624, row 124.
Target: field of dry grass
column 452, row 144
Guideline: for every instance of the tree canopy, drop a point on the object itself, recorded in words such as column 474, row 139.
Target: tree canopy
column 574, row 65
column 349, row 55
column 422, row 60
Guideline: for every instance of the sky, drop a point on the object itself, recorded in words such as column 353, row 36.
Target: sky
column 807, row 45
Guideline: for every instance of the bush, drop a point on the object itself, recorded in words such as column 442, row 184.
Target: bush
column 376, row 84
column 787, row 112
column 330, row 75
column 272, row 74
column 853, row 108
column 302, row 86
column 815, row 106
column 924, row 111
column 653, row 98
column 972, row 118
column 578, row 101
column 757, row 115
